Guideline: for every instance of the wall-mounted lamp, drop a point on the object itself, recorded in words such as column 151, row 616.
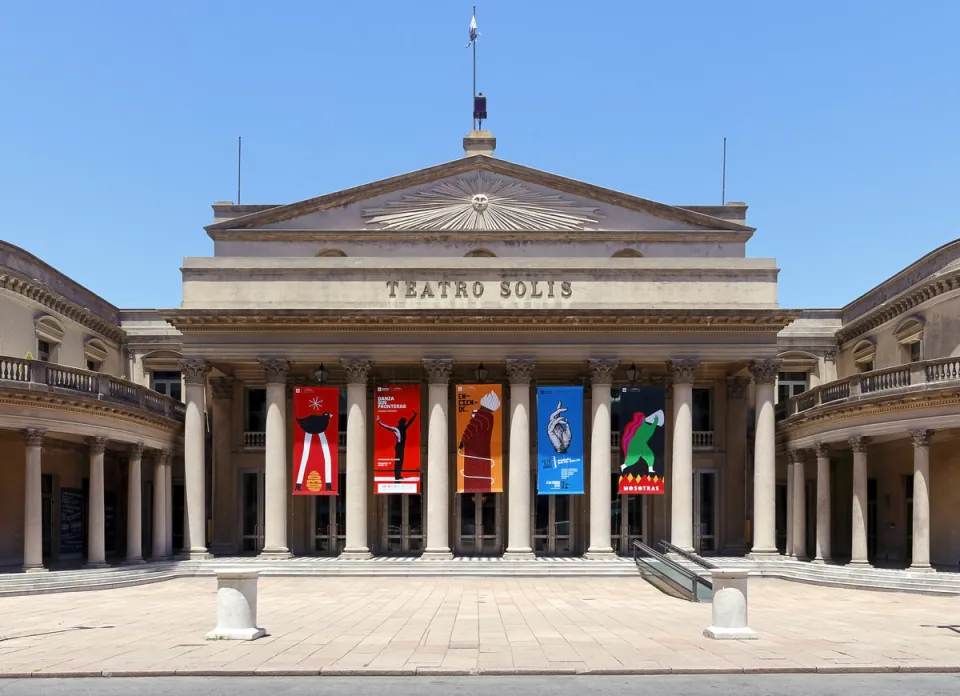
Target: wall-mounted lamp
column 633, row 374
column 321, row 374
column 481, row 372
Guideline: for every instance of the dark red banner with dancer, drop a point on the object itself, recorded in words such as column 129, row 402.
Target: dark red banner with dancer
column 480, row 438
column 396, row 439
column 315, row 421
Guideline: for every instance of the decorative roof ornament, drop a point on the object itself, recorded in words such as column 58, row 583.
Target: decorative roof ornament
column 479, row 202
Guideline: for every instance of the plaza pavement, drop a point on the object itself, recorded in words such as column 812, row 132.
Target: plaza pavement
column 449, row 625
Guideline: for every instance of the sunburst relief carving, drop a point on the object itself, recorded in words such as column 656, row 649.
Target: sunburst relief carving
column 479, row 202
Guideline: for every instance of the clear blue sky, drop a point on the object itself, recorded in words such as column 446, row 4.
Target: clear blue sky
column 119, row 120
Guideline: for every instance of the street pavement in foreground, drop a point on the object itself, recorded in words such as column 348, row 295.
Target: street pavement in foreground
column 433, row 626
column 675, row 685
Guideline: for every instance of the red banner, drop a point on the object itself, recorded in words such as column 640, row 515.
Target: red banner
column 396, row 439
column 315, row 423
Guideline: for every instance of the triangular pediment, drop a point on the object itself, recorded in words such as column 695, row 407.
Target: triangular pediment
column 478, row 193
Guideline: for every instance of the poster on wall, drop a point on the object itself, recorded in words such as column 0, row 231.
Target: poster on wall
column 559, row 440
column 642, row 463
column 315, row 422
column 479, row 438
column 396, row 439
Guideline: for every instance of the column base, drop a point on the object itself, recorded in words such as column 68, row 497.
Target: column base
column 361, row 554
column 236, row 634
column 35, row 569
column 859, row 564
column 275, row 554
column 718, row 633
column 822, row 561
column 525, row 554
column 200, row 554
column 133, row 561
column 926, row 568
column 95, row 566
column 600, row 554
column 436, row 555
column 763, row 555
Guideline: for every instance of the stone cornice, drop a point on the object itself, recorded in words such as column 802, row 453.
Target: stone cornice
column 58, row 304
column 473, row 164
column 889, row 310
column 747, row 320
column 355, row 236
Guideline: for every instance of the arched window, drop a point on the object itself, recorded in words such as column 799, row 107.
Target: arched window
column 330, row 253
column 910, row 337
column 50, row 335
column 479, row 253
column 863, row 355
column 95, row 353
column 627, row 254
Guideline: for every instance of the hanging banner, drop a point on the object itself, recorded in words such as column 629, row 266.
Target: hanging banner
column 642, row 440
column 479, row 438
column 560, row 440
column 315, row 448
column 396, row 439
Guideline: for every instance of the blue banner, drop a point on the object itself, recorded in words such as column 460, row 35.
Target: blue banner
column 559, row 440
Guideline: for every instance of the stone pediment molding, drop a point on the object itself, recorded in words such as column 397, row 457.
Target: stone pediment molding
column 479, row 164
column 192, row 320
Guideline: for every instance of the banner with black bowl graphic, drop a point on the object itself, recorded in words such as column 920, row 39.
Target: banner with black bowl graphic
column 315, row 447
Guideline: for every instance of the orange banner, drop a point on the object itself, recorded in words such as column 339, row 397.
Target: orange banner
column 315, row 448
column 396, row 439
column 479, row 438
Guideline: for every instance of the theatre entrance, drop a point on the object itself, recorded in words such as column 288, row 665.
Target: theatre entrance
column 401, row 527
column 479, row 529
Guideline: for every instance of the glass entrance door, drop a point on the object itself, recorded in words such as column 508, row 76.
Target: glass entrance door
column 479, row 528
column 330, row 520
column 402, row 523
column 705, row 512
column 553, row 525
column 251, row 511
column 626, row 518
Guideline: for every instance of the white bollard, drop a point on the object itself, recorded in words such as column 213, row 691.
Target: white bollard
column 729, row 606
column 236, row 606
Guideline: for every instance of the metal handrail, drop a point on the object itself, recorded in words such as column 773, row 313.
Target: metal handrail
column 686, row 572
column 692, row 557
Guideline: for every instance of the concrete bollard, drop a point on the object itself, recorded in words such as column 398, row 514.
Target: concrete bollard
column 729, row 606
column 236, row 606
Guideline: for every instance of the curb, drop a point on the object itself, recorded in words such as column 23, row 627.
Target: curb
column 490, row 672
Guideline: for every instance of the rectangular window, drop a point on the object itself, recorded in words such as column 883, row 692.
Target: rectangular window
column 166, row 382
column 256, row 410
column 916, row 351
column 702, row 409
column 93, row 366
column 43, row 350
column 865, row 366
column 790, row 384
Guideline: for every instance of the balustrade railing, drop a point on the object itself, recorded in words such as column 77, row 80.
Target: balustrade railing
column 864, row 384
column 254, row 439
column 88, row 383
column 702, row 439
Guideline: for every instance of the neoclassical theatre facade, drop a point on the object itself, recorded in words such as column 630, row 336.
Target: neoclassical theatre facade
column 251, row 419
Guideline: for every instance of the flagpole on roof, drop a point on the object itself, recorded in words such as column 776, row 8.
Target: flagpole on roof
column 474, row 56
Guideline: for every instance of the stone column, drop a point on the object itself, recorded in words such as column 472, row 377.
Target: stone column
column 159, row 508
column 735, row 478
column 275, row 466
column 681, row 478
column 823, row 554
column 789, row 548
column 96, row 529
column 601, row 377
column 438, row 464
column 356, row 543
column 799, row 504
column 166, row 458
column 225, row 508
column 858, row 546
column 921, row 499
column 194, row 372
column 764, row 460
column 33, row 503
column 518, row 505
column 134, row 506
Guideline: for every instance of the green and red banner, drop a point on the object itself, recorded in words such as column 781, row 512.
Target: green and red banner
column 643, row 462
column 396, row 439
column 315, row 450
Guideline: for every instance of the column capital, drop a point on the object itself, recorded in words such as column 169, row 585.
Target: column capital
column 796, row 456
column 859, row 443
column 520, row 370
column 822, row 450
column 682, row 370
column 97, row 444
column 195, row 370
column 765, row 371
column 137, row 450
column 357, row 369
column 34, row 437
column 921, row 438
column 737, row 387
column 275, row 370
column 602, row 369
column 222, row 387
column 165, row 456
column 830, row 356
column 438, row 370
